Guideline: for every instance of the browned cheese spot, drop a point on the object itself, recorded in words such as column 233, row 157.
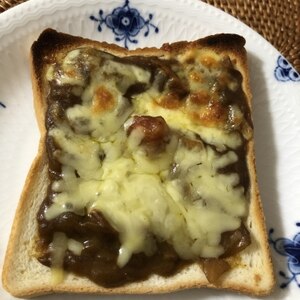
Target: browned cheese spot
column 169, row 101
column 103, row 100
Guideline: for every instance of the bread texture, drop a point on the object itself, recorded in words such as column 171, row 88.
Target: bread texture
column 23, row 276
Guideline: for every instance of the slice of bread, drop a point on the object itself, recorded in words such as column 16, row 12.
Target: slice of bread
column 24, row 276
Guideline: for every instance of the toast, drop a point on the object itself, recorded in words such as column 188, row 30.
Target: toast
column 171, row 124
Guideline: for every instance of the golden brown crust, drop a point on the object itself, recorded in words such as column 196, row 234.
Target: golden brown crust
column 44, row 50
column 23, row 206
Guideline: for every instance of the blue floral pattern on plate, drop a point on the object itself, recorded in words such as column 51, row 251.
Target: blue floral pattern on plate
column 126, row 23
column 2, row 105
column 290, row 249
column 284, row 71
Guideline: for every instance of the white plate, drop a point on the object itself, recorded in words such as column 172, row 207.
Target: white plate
column 276, row 101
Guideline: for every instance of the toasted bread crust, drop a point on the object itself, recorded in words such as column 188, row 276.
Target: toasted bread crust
column 244, row 278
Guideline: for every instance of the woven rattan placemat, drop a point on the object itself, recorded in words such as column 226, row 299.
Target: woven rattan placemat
column 278, row 21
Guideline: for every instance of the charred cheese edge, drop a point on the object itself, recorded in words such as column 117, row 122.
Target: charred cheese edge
column 177, row 195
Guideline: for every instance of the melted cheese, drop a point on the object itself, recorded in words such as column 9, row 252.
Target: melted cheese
column 179, row 120
column 137, row 192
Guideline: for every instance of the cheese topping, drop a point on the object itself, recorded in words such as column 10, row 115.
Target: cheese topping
column 153, row 179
